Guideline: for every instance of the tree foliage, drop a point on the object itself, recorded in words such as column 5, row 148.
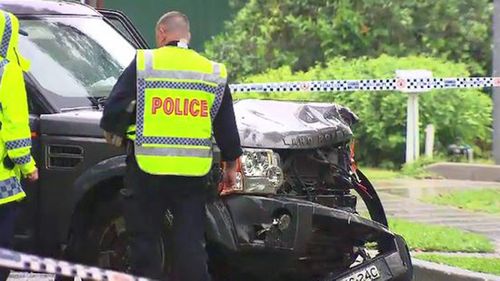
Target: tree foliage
column 464, row 114
column 272, row 33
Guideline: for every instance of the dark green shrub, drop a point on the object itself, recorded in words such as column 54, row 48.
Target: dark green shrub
column 300, row 33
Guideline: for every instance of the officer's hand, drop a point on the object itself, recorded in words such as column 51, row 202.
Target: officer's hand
column 229, row 177
column 113, row 139
column 33, row 176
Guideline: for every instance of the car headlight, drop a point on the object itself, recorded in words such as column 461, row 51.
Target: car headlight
column 259, row 172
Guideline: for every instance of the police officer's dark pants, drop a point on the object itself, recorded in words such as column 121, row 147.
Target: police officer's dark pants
column 8, row 215
column 146, row 200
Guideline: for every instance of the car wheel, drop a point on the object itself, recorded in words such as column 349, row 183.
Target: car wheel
column 103, row 240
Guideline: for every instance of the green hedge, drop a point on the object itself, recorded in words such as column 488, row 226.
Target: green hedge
column 381, row 133
column 300, row 33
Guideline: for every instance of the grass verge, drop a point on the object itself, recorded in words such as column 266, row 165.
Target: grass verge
column 433, row 238
column 417, row 169
column 478, row 264
column 482, row 200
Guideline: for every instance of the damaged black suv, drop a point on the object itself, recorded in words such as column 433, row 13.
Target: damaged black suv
column 293, row 216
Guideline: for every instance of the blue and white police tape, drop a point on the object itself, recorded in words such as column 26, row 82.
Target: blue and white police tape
column 395, row 84
column 24, row 262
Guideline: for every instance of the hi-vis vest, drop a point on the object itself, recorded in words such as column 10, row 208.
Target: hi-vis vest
column 15, row 134
column 178, row 94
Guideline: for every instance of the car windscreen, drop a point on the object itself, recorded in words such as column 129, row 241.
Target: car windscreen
column 76, row 60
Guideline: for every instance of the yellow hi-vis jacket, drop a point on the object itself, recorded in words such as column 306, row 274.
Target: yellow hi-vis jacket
column 15, row 134
column 178, row 94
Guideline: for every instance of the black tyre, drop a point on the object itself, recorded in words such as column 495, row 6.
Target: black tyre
column 103, row 241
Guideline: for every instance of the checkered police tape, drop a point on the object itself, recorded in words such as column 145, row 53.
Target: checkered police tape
column 24, row 262
column 396, row 84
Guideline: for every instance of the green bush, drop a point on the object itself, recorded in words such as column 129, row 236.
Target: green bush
column 300, row 33
column 381, row 132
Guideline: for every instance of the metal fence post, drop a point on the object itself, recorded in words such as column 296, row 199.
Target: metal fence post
column 412, row 128
column 412, row 114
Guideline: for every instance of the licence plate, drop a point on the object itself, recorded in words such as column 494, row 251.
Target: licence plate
column 366, row 274
column 376, row 269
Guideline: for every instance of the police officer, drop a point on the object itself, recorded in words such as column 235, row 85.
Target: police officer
column 15, row 134
column 180, row 98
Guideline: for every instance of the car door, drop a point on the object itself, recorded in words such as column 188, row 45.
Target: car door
column 27, row 225
column 125, row 27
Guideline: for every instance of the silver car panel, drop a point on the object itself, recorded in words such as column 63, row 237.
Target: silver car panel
column 292, row 125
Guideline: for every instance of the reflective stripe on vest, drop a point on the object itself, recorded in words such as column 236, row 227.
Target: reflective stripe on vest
column 3, row 63
column 7, row 34
column 15, row 144
column 10, row 190
column 155, row 151
column 162, row 154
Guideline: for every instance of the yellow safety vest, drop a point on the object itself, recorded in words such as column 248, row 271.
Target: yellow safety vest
column 178, row 94
column 15, row 134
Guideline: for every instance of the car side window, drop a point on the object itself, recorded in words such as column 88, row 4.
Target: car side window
column 121, row 28
column 123, row 25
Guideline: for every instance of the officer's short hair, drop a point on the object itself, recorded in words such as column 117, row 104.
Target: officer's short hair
column 174, row 20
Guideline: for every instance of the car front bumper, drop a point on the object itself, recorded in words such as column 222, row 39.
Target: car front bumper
column 315, row 238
